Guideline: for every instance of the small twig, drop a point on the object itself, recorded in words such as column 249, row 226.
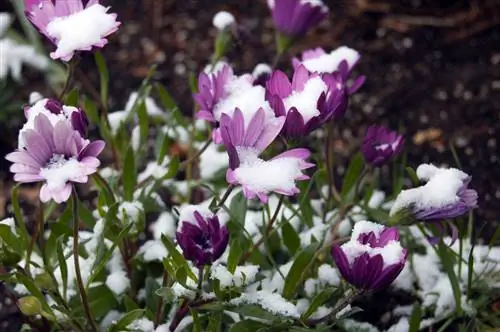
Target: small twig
column 196, row 156
column 76, row 259
column 348, row 299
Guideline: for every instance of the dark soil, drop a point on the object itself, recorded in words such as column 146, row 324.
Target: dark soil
column 432, row 67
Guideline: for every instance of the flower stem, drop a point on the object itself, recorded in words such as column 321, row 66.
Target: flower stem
column 196, row 156
column 269, row 228
column 71, row 70
column 224, row 198
column 76, row 259
column 34, row 238
column 200, row 279
column 160, row 307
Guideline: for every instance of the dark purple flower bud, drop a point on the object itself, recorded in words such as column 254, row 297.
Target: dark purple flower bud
column 295, row 17
column 373, row 257
column 79, row 121
column 54, row 106
column 203, row 242
column 380, row 145
column 308, row 101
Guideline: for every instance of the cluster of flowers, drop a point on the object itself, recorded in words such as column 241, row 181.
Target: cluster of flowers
column 249, row 113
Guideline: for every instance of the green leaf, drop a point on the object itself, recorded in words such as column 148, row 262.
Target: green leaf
column 129, row 175
column 142, row 114
column 193, row 83
column 177, row 257
column 413, row 176
column 91, row 111
column 318, row 301
column 290, row 238
column 254, row 310
column 416, row 316
column 101, row 300
column 247, row 325
column 196, row 320
column 161, row 146
column 71, row 99
column 167, row 294
column 104, row 75
column 448, row 263
column 17, row 212
column 62, row 265
column 129, row 303
column 34, row 290
column 238, row 208
column 235, row 254
column 151, row 299
column 296, row 273
column 126, row 320
column 352, row 174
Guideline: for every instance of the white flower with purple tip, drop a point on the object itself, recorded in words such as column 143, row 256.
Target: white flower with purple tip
column 260, row 177
column 57, row 155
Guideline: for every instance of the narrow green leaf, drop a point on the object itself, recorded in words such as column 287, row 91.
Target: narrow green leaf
column 142, row 114
column 290, row 238
column 129, row 175
column 126, row 320
column 448, row 263
column 254, row 310
column 296, row 273
column 34, row 290
column 196, row 320
column 177, row 257
column 235, row 254
column 151, row 299
column 129, row 303
column 318, row 300
column 91, row 111
column 100, row 300
column 71, row 99
column 167, row 294
column 247, row 325
column 17, row 212
column 413, row 176
column 238, row 208
column 62, row 265
column 496, row 236
column 161, row 146
column 416, row 316
column 104, row 76
column 352, row 174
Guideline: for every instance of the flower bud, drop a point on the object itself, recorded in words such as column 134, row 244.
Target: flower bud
column 30, row 306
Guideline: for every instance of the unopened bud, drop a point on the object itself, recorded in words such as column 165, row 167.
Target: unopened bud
column 30, row 305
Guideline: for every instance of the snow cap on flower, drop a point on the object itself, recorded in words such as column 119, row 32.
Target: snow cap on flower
column 54, row 111
column 445, row 195
column 223, row 20
column 261, row 74
column 204, row 240
column 339, row 62
column 308, row 101
column 222, row 92
column 56, row 154
column 70, row 25
column 295, row 17
column 372, row 258
column 380, row 145
column 258, row 177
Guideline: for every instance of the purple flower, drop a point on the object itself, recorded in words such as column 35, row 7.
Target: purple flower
column 258, row 177
column 295, row 17
column 222, row 92
column 55, row 154
column 70, row 25
column 373, row 257
column 380, row 145
column 339, row 62
column 446, row 195
column 203, row 242
column 55, row 112
column 308, row 101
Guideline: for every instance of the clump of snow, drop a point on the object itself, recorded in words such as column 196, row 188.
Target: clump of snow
column 306, row 101
column 242, row 275
column 118, row 282
column 109, row 173
column 328, row 275
column 261, row 69
column 440, row 190
column 14, row 54
column 135, row 138
column 164, row 225
column 391, row 253
column 223, row 20
column 141, row 325
column 11, row 223
column 212, row 161
column 155, row 170
column 151, row 107
column 111, row 318
column 81, row 30
column 130, row 212
column 403, row 325
column 60, row 170
column 329, row 62
column 273, row 175
column 352, row 325
column 269, row 301
column 35, row 97
column 153, row 250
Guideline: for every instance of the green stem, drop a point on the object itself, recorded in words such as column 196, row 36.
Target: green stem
column 224, row 198
column 71, row 71
column 76, row 259
column 343, row 303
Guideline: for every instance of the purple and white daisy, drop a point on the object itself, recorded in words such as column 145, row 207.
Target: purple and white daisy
column 445, row 195
column 55, row 154
column 296, row 17
column 259, row 177
column 55, row 112
column 203, row 241
column 373, row 257
column 222, row 92
column 308, row 101
column 70, row 25
column 380, row 145
column 340, row 62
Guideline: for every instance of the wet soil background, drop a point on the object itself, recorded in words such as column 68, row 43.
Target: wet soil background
column 432, row 67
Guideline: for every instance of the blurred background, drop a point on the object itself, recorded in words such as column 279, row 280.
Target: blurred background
column 432, row 67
